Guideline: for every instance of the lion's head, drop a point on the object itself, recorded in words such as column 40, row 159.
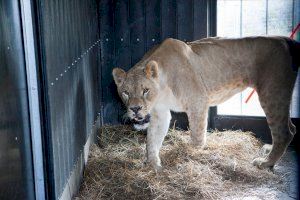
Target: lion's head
column 138, row 89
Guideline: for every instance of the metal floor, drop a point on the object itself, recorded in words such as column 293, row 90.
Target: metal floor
column 287, row 168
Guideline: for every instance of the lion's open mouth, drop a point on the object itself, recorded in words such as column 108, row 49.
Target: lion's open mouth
column 143, row 121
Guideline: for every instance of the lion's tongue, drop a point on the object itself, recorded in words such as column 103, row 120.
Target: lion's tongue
column 146, row 120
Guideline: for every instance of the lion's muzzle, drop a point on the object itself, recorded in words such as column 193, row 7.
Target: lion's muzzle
column 141, row 124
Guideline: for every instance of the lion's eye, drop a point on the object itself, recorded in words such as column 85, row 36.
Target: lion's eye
column 146, row 91
column 125, row 95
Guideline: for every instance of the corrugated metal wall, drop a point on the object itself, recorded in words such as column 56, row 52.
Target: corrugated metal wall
column 130, row 28
column 69, row 47
column 16, row 170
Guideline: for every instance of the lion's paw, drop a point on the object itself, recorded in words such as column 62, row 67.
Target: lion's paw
column 266, row 149
column 156, row 166
column 262, row 163
column 198, row 144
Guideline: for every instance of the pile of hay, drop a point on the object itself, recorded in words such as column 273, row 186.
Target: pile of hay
column 116, row 168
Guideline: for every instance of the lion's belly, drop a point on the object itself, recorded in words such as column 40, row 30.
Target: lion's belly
column 219, row 96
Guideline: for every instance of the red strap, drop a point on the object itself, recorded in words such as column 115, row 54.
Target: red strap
column 291, row 36
column 294, row 31
column 250, row 95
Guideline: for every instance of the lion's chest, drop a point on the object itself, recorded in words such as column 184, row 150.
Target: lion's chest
column 168, row 101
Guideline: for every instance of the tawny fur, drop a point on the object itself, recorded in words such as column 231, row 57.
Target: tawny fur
column 190, row 77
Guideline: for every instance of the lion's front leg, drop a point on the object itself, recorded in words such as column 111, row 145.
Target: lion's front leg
column 157, row 130
column 198, row 125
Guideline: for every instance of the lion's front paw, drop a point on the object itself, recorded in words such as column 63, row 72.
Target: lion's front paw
column 262, row 163
column 155, row 164
column 198, row 143
column 266, row 149
column 157, row 167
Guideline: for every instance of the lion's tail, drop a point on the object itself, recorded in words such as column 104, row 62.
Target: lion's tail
column 294, row 48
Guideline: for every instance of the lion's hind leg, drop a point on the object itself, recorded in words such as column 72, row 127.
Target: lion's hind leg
column 276, row 103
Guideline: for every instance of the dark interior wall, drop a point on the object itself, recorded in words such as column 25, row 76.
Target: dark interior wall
column 69, row 48
column 16, row 170
column 129, row 28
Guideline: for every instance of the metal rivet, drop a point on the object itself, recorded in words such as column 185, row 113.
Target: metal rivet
column 106, row 39
column 75, row 61
column 122, row 39
column 52, row 83
column 61, row 74
column 56, row 79
column 137, row 39
column 72, row 63
column 65, row 71
column 153, row 39
column 16, row 138
column 8, row 48
column 69, row 67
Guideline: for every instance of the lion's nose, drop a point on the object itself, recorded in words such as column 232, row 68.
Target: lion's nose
column 136, row 109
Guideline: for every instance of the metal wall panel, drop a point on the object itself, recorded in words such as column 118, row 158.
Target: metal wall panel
column 16, row 171
column 147, row 22
column 69, row 46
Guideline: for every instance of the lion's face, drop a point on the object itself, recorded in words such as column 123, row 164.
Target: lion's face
column 138, row 90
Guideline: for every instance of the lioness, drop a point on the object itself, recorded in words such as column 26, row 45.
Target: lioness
column 190, row 77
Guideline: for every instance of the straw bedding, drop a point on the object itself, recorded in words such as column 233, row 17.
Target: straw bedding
column 116, row 168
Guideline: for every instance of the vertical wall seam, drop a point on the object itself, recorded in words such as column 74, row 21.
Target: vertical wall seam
column 193, row 19
column 267, row 15
column 47, row 140
column 176, row 19
column 129, row 27
column 145, row 25
column 160, row 19
column 99, row 65
column 241, row 34
column 241, row 18
column 33, row 98
column 293, row 15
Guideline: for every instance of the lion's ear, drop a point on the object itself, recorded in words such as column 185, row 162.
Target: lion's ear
column 151, row 69
column 119, row 76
